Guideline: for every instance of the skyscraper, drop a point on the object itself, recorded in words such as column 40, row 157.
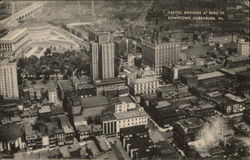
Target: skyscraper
column 94, row 69
column 8, row 80
column 107, row 60
column 102, row 55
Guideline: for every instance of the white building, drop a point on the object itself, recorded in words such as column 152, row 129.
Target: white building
column 8, row 80
column 52, row 94
column 125, row 104
column 243, row 47
column 131, row 118
column 15, row 41
column 38, row 31
column 145, row 85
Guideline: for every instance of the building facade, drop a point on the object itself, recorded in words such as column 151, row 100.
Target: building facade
column 52, row 94
column 145, row 85
column 243, row 47
column 15, row 41
column 94, row 69
column 107, row 60
column 8, row 80
column 131, row 118
column 160, row 54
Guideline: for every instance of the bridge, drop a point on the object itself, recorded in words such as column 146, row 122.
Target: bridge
column 23, row 14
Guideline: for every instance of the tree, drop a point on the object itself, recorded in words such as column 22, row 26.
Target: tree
column 90, row 120
column 97, row 119
column 47, row 52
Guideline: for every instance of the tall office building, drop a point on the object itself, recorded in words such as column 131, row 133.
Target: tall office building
column 94, row 69
column 8, row 80
column 160, row 54
column 102, row 55
column 107, row 60
column 99, row 36
column 243, row 47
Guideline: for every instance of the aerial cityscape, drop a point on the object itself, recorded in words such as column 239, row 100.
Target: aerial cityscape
column 125, row 79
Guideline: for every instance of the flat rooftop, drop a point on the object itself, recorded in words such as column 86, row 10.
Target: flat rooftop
column 109, row 81
column 190, row 123
column 44, row 109
column 130, row 114
column 94, row 101
column 67, row 129
column 146, row 79
column 51, row 87
column 65, row 85
column 210, row 75
column 119, row 100
column 234, row 98
column 13, row 34
column 237, row 58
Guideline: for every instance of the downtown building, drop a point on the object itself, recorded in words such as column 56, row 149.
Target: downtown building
column 160, row 54
column 243, row 47
column 14, row 42
column 8, row 80
column 102, row 56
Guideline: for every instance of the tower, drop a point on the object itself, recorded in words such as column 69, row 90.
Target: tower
column 8, row 80
column 102, row 55
column 107, row 60
column 94, row 69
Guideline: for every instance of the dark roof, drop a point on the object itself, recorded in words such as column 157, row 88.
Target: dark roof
column 64, row 120
column 59, row 130
column 84, row 128
column 9, row 102
column 118, row 100
column 94, row 101
column 142, row 144
column 66, row 85
column 134, row 130
column 245, row 75
column 117, row 152
column 107, row 116
column 9, row 132
column 57, row 110
column 109, row 81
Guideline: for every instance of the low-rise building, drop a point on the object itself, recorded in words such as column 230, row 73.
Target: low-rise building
column 32, row 137
column 173, row 91
column 130, row 118
column 60, row 136
column 69, row 134
column 136, row 141
column 186, row 131
column 173, row 73
column 145, row 85
column 84, row 132
column 123, row 104
column 11, row 137
column 111, row 87
column 243, row 47
column 44, row 112
column 109, row 124
column 64, row 86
